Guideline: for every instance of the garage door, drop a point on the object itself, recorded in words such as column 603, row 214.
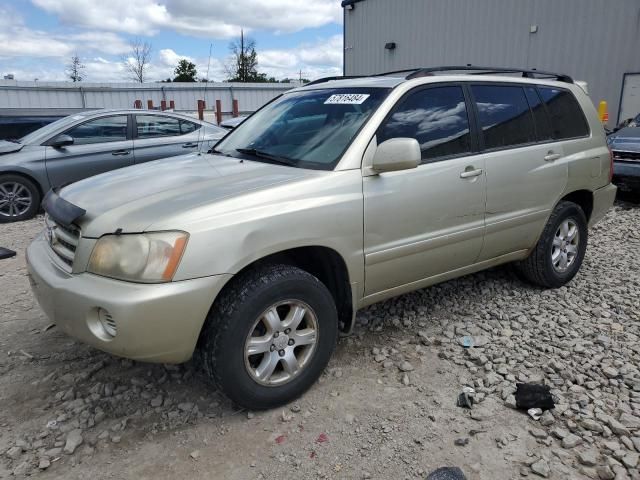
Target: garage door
column 630, row 106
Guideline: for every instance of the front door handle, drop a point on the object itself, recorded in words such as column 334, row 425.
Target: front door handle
column 551, row 156
column 190, row 145
column 468, row 173
column 120, row 152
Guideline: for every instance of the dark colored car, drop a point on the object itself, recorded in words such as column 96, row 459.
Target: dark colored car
column 625, row 145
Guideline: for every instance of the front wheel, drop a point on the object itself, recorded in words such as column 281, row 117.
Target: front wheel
column 19, row 198
column 558, row 255
column 269, row 336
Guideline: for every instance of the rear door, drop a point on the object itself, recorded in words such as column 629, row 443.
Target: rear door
column 99, row 145
column 161, row 136
column 429, row 220
column 526, row 171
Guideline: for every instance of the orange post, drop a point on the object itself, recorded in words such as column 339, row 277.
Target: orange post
column 201, row 107
column 172, row 105
column 163, row 105
column 150, row 104
column 137, row 104
column 236, row 110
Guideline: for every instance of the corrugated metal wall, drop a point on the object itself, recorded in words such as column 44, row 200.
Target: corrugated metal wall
column 40, row 96
column 592, row 40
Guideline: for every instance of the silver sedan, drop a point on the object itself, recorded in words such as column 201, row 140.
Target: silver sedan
column 89, row 143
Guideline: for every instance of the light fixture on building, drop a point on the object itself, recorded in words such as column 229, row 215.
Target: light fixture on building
column 390, row 46
column 533, row 29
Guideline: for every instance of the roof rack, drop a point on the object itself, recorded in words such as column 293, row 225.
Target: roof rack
column 328, row 79
column 474, row 70
column 471, row 69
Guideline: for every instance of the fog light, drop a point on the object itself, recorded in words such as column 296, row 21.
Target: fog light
column 102, row 324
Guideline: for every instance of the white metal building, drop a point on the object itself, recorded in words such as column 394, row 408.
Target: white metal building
column 597, row 41
column 43, row 98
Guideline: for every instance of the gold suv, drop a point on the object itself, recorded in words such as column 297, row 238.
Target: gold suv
column 345, row 192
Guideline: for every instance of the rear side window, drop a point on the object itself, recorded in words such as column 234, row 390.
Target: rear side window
column 504, row 115
column 151, row 126
column 188, row 127
column 567, row 119
column 540, row 117
column 436, row 117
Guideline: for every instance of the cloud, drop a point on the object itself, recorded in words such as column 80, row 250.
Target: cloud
column 204, row 18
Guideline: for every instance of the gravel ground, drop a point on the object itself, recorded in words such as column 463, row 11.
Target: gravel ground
column 385, row 407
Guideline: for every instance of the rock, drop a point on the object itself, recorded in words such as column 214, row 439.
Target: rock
column 630, row 459
column 510, row 402
column 571, row 441
column 538, row 432
column 541, row 468
column 157, row 401
column 185, row 406
column 405, row 366
column 588, row 458
column 295, row 408
column 605, row 473
column 591, row 425
column 14, row 452
column 547, row 419
column 116, row 439
column 44, row 463
column 630, row 421
column 22, row 469
column 617, row 428
column 461, row 442
column 610, row 372
column 73, row 441
column 195, row 454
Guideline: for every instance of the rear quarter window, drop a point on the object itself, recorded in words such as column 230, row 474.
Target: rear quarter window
column 565, row 113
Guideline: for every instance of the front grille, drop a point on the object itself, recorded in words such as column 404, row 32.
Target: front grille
column 628, row 156
column 62, row 240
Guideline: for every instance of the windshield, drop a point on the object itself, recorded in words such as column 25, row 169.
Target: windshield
column 306, row 129
column 50, row 128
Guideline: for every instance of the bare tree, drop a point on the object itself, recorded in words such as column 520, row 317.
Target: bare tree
column 75, row 68
column 137, row 61
column 244, row 66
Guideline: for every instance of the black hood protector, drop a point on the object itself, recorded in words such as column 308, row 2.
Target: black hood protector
column 63, row 212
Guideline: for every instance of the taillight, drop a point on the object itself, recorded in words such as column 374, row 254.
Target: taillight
column 610, row 164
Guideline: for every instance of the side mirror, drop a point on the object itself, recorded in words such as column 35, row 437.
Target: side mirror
column 397, row 154
column 60, row 141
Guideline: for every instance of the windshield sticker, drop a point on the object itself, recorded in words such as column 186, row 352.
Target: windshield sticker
column 347, row 99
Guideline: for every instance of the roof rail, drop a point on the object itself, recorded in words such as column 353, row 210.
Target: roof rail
column 474, row 70
column 328, row 79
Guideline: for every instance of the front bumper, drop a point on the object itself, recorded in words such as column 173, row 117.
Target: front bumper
column 627, row 174
column 603, row 199
column 155, row 323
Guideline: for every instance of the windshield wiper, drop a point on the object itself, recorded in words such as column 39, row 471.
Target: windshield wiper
column 213, row 150
column 268, row 156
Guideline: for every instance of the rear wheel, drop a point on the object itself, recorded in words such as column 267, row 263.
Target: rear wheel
column 19, row 198
column 558, row 255
column 269, row 336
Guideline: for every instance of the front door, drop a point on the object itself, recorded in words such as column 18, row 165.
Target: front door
column 99, row 145
column 430, row 220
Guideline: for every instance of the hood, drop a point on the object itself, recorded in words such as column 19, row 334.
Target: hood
column 626, row 139
column 8, row 147
column 136, row 197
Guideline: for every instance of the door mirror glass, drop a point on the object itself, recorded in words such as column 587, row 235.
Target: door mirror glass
column 60, row 141
column 397, row 154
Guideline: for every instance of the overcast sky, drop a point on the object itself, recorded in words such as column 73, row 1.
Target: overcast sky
column 38, row 37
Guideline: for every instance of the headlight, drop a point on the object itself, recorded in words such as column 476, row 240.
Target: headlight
column 144, row 257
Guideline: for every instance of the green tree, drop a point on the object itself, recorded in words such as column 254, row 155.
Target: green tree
column 185, row 71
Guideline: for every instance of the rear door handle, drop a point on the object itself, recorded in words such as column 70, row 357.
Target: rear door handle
column 471, row 173
column 190, row 145
column 552, row 157
column 120, row 152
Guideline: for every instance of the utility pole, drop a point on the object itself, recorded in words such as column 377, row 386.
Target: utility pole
column 300, row 75
column 243, row 63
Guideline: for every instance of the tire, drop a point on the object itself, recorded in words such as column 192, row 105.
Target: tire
column 19, row 198
column 246, row 307
column 545, row 266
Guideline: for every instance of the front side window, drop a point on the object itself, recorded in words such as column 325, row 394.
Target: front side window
column 436, row 117
column 101, row 130
column 504, row 115
column 152, row 126
column 306, row 129
column 567, row 119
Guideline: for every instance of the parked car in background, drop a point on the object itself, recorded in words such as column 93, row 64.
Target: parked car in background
column 86, row 144
column 625, row 146
column 334, row 196
column 232, row 123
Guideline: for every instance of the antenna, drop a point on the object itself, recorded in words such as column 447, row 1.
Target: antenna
column 200, row 142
